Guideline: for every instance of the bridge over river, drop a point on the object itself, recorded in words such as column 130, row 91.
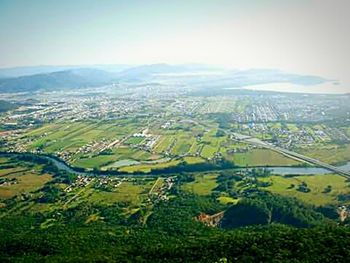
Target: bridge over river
column 293, row 155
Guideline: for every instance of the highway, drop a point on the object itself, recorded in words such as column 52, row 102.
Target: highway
column 295, row 155
column 311, row 160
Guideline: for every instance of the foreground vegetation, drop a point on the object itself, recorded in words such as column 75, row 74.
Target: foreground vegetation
column 142, row 219
column 172, row 235
column 172, row 193
column 101, row 242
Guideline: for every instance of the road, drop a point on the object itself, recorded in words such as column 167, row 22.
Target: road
column 293, row 155
column 312, row 160
column 79, row 193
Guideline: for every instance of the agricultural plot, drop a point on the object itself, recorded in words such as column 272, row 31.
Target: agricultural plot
column 332, row 154
column 193, row 160
column 211, row 144
column 3, row 160
column 185, row 142
column 60, row 136
column 96, row 161
column 23, row 180
column 164, row 143
column 46, row 129
column 179, row 143
column 146, row 168
column 227, row 200
column 208, row 151
column 27, row 182
column 292, row 127
column 260, row 157
column 220, row 105
column 134, row 140
column 132, row 193
column 182, row 145
column 229, row 147
column 204, row 184
column 142, row 155
column 157, row 186
column 317, row 184
column 84, row 142
column 195, row 148
column 348, row 132
column 70, row 136
column 118, row 154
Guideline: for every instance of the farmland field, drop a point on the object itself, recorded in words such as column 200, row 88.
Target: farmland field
column 27, row 179
column 261, row 157
column 204, row 184
column 164, row 143
column 332, row 154
column 70, row 136
column 127, row 192
column 148, row 167
column 317, row 184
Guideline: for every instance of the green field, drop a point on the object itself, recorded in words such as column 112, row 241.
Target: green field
column 71, row 136
column 27, row 183
column 203, row 184
column 261, row 157
column 157, row 185
column 95, row 162
column 183, row 145
column 134, row 140
column 185, row 139
column 121, row 153
column 163, row 143
column 28, row 180
column 332, row 154
column 221, row 105
column 193, row 160
column 227, row 200
column 208, row 151
column 146, row 168
column 316, row 183
column 127, row 192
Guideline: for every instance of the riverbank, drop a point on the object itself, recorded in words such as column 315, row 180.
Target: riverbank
column 60, row 164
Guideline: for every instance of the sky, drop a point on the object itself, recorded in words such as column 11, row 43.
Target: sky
column 301, row 36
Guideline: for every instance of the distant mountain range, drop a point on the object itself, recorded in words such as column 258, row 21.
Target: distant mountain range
column 68, row 79
column 53, row 78
column 33, row 70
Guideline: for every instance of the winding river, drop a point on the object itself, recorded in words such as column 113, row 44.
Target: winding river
column 274, row 170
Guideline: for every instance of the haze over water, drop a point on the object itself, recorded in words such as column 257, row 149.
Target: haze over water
column 304, row 37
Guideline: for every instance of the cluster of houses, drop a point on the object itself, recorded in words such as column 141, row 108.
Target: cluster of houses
column 286, row 137
column 81, row 181
column 160, row 193
column 150, row 140
column 104, row 182
column 92, row 147
column 143, row 134
column 7, row 181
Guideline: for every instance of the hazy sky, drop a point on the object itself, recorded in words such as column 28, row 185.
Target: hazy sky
column 308, row 36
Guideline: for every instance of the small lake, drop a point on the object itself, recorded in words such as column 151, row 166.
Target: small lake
column 305, row 170
column 125, row 162
column 129, row 162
